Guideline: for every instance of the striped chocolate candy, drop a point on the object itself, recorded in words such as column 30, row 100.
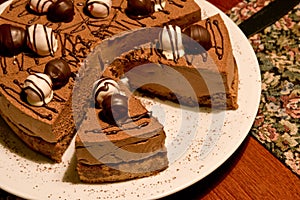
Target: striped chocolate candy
column 170, row 40
column 39, row 6
column 41, row 40
column 103, row 88
column 38, row 89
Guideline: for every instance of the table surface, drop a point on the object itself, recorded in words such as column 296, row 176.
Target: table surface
column 252, row 172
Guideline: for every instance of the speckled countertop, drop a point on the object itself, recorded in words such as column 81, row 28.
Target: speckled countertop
column 277, row 124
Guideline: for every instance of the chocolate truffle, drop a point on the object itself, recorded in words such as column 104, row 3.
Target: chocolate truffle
column 98, row 8
column 12, row 39
column 200, row 35
column 39, row 6
column 59, row 71
column 115, row 108
column 138, row 9
column 41, row 40
column 61, row 11
column 170, row 41
column 38, row 89
column 103, row 88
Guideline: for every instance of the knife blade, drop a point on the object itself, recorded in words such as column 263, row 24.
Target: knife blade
column 267, row 16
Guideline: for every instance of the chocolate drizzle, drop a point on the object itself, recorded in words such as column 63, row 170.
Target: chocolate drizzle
column 176, row 4
column 219, row 50
column 75, row 52
column 121, row 125
column 20, row 64
column 16, row 4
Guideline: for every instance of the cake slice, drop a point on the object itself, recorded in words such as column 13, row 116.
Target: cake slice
column 130, row 144
column 73, row 33
column 205, row 77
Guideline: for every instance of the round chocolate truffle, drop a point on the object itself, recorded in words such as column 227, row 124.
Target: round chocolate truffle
column 61, row 11
column 39, row 6
column 59, row 71
column 41, row 40
column 103, row 88
column 98, row 8
column 138, row 9
column 200, row 35
column 38, row 89
column 115, row 108
column 12, row 39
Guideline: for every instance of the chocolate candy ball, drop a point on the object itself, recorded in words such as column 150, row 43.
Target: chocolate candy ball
column 59, row 71
column 138, row 9
column 41, row 40
column 39, row 6
column 38, row 89
column 61, row 11
column 12, row 39
column 103, row 88
column 98, row 8
column 200, row 35
column 115, row 108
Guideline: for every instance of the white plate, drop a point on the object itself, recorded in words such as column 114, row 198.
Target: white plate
column 217, row 136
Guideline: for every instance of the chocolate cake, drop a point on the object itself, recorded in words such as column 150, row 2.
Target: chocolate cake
column 42, row 31
column 44, row 74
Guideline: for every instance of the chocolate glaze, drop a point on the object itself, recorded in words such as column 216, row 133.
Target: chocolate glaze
column 61, row 11
column 115, row 108
column 12, row 39
column 219, row 50
column 59, row 71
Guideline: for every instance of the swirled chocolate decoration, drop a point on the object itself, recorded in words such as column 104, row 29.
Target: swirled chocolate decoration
column 61, row 11
column 138, row 9
column 200, row 35
column 12, row 39
column 59, row 71
column 115, row 108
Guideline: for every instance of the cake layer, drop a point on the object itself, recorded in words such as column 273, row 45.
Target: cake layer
column 52, row 123
column 123, row 171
